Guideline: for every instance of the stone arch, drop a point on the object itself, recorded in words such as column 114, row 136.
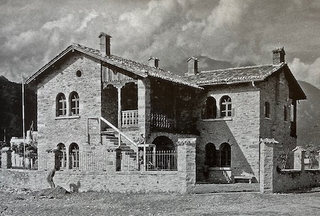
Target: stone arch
column 225, row 155
column 110, row 104
column 211, row 155
column 63, row 156
column 163, row 143
column 165, row 156
column 129, row 96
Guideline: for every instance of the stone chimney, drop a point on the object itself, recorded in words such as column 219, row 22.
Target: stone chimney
column 278, row 55
column 154, row 62
column 105, row 44
column 192, row 66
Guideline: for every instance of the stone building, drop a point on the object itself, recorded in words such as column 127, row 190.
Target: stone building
column 93, row 103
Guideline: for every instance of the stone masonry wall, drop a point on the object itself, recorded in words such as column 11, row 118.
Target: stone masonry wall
column 274, row 180
column 181, row 181
column 276, row 91
column 53, row 130
column 241, row 130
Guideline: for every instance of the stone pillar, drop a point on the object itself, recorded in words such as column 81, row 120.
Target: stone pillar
column 144, row 107
column 299, row 155
column 6, row 158
column 118, row 159
column 268, row 165
column 111, row 161
column 187, row 162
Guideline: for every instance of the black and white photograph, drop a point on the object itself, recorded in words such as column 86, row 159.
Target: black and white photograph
column 159, row 107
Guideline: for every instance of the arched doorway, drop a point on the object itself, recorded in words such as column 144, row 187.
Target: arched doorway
column 110, row 105
column 225, row 155
column 166, row 157
column 211, row 156
column 163, row 143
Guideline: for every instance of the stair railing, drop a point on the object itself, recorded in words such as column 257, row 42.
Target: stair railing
column 119, row 132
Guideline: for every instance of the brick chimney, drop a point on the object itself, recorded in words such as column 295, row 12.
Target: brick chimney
column 154, row 62
column 192, row 66
column 278, row 55
column 105, row 44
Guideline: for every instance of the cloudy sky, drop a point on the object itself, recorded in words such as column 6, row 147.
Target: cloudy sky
column 243, row 32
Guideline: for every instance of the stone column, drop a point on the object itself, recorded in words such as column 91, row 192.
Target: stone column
column 119, row 105
column 6, row 158
column 144, row 107
column 268, row 165
column 187, row 163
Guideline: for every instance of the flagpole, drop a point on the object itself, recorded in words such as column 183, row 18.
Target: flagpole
column 23, row 126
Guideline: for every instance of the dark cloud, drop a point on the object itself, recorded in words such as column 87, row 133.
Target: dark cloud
column 241, row 32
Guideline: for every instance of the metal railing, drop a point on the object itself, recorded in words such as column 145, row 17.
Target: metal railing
column 121, row 134
column 155, row 161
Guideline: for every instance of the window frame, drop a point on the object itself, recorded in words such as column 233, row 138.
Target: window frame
column 61, row 105
column 74, row 101
column 225, row 107
column 74, row 156
column 63, row 156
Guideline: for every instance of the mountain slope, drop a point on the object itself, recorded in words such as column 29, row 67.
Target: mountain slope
column 308, row 119
column 11, row 108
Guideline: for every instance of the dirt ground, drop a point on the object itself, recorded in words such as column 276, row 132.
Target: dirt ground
column 58, row 202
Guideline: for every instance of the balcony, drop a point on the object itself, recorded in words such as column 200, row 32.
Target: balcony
column 129, row 118
column 161, row 121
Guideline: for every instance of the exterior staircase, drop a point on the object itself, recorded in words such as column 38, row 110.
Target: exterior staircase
column 128, row 155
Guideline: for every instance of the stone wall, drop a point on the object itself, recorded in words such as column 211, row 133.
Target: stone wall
column 286, row 180
column 64, row 79
column 276, row 91
column 181, row 181
column 273, row 179
column 241, row 130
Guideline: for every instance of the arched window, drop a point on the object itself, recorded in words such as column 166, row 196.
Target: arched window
column 74, row 156
column 74, row 103
column 225, row 106
column 211, row 159
column 61, row 105
column 63, row 156
column 285, row 113
column 225, row 155
column 267, row 109
column 211, row 108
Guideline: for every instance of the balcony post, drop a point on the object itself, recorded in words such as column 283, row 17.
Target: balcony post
column 119, row 105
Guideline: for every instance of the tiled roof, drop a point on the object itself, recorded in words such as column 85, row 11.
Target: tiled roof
column 137, row 68
column 203, row 78
column 235, row 75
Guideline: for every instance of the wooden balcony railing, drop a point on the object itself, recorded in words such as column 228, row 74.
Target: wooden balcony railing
column 129, row 118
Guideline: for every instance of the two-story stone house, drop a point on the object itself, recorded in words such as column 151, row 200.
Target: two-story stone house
column 87, row 99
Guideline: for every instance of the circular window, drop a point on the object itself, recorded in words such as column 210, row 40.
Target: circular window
column 78, row 73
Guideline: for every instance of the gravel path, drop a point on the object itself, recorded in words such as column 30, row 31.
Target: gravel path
column 59, row 202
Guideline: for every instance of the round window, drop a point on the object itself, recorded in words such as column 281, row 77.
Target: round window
column 78, row 73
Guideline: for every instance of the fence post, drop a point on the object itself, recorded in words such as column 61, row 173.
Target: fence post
column 187, row 162
column 6, row 158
